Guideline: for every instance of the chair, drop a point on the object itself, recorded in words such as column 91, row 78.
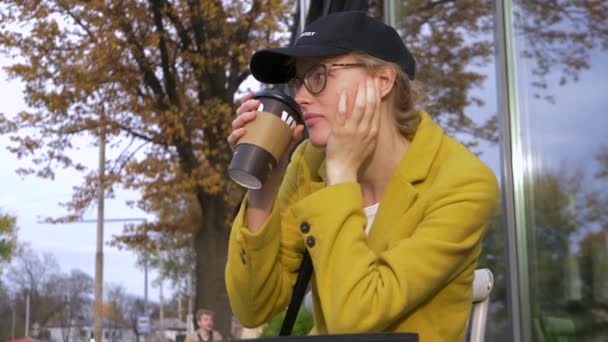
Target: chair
column 308, row 302
column 482, row 286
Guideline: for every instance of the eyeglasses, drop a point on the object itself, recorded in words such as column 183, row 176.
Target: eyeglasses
column 315, row 78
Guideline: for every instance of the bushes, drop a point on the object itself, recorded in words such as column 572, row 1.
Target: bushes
column 301, row 327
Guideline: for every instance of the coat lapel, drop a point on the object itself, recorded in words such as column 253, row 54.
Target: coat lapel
column 401, row 193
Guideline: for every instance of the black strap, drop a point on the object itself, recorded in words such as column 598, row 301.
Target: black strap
column 299, row 289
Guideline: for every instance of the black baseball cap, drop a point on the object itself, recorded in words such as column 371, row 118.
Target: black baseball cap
column 331, row 35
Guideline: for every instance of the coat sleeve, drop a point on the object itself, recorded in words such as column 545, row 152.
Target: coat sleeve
column 380, row 288
column 262, row 267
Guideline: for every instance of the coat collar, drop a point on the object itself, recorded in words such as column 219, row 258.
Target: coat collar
column 420, row 154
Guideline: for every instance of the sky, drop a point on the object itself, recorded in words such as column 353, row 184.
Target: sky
column 31, row 199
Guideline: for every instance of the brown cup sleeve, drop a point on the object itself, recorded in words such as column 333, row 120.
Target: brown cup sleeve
column 269, row 132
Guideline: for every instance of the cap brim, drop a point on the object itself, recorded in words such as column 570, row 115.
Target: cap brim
column 275, row 66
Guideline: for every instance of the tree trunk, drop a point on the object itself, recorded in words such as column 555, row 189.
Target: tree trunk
column 211, row 249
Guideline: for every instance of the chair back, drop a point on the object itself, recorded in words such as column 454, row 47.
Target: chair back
column 482, row 287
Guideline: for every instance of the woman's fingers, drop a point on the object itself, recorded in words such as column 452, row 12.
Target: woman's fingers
column 245, row 113
column 297, row 133
column 365, row 108
column 234, row 137
column 237, row 127
column 295, row 138
column 358, row 108
column 341, row 118
column 242, row 119
column 248, row 106
column 246, row 97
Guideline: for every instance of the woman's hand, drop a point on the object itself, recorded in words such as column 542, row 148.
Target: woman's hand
column 245, row 113
column 353, row 137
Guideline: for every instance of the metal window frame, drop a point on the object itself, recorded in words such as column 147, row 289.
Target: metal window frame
column 513, row 175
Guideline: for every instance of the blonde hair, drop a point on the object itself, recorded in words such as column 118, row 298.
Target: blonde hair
column 404, row 95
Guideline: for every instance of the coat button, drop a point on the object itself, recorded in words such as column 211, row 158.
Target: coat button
column 305, row 227
column 310, row 241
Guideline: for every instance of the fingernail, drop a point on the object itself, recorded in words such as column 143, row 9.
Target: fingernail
column 342, row 102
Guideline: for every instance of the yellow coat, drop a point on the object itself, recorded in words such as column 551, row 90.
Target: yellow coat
column 413, row 273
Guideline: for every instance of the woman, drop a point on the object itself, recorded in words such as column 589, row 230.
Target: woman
column 391, row 210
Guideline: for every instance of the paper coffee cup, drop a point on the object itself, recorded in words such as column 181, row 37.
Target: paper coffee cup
column 266, row 139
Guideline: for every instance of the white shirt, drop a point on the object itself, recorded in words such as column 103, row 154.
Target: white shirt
column 371, row 215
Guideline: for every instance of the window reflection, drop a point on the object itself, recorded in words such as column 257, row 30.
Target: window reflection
column 561, row 66
column 561, row 70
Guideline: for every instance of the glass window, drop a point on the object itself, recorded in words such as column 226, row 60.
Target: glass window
column 453, row 45
column 561, row 68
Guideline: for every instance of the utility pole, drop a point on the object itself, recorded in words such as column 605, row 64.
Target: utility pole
column 99, row 253
column 179, row 306
column 162, row 312
column 146, row 282
column 13, row 323
column 27, row 314
column 189, row 320
column 146, row 289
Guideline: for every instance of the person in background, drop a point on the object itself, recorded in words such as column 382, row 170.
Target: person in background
column 391, row 210
column 205, row 332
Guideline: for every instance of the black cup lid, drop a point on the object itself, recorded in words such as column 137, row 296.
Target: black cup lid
column 281, row 96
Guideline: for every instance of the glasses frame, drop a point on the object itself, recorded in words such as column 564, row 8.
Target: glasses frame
column 326, row 68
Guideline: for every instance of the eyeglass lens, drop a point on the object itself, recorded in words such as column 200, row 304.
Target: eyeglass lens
column 314, row 80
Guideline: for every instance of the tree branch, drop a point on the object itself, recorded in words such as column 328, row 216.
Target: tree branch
column 138, row 53
column 127, row 159
column 179, row 27
column 141, row 135
column 198, row 24
column 78, row 20
column 169, row 76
